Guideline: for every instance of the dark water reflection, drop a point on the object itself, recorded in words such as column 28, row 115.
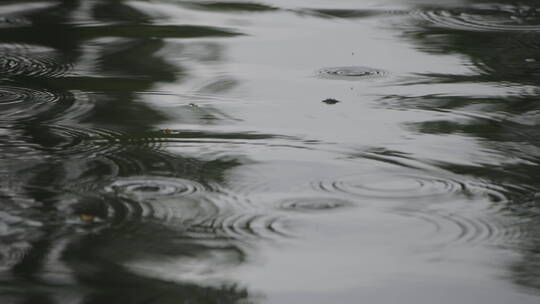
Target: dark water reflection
column 179, row 152
column 499, row 39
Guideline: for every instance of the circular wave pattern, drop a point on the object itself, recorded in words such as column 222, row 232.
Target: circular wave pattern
column 10, row 95
column 65, row 140
column 154, row 187
column 410, row 187
column 96, row 140
column 19, row 104
column 240, row 226
column 135, row 204
column 194, row 210
column 453, row 228
column 31, row 61
column 69, row 140
column 391, row 187
column 486, row 18
column 350, row 72
column 26, row 103
column 140, row 213
column 313, row 204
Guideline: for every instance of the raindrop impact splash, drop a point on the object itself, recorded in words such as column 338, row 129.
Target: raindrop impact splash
column 350, row 73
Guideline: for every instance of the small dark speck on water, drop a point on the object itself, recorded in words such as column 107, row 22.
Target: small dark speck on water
column 169, row 131
column 330, row 101
column 86, row 217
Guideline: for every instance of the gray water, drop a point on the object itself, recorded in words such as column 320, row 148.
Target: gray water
column 307, row 151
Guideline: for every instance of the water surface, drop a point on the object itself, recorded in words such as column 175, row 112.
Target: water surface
column 269, row 151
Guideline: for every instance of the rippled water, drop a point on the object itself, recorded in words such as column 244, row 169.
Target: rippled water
column 269, row 151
